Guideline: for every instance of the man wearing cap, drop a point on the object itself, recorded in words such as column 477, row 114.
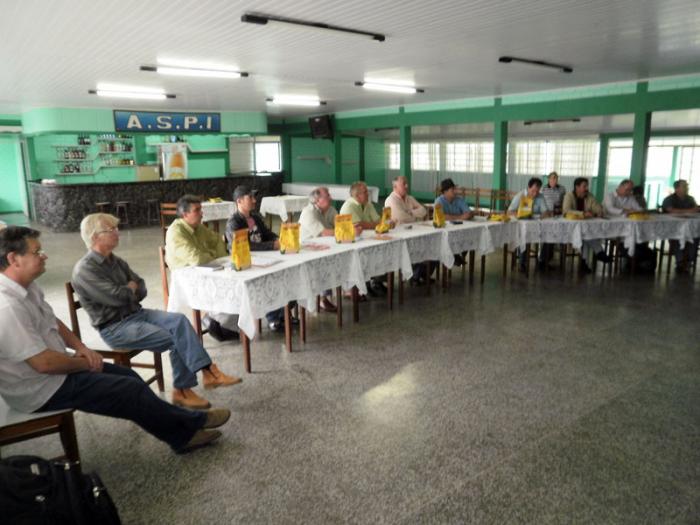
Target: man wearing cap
column 454, row 206
column 188, row 242
column 260, row 238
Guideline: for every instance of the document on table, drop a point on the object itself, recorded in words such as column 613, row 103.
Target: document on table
column 263, row 262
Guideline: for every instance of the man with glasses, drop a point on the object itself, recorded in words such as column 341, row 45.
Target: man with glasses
column 111, row 293
column 37, row 374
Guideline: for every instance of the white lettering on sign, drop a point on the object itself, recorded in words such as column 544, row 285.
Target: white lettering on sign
column 164, row 122
column 134, row 122
column 208, row 121
column 189, row 119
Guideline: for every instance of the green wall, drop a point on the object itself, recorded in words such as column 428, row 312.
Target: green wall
column 11, row 175
column 312, row 160
column 375, row 164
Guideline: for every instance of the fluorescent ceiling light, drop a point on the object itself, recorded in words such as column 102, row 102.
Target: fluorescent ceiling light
column 561, row 67
column 295, row 100
column 392, row 88
column 111, row 93
column 194, row 72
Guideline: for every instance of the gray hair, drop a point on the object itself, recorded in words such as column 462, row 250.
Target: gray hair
column 93, row 223
column 316, row 193
column 185, row 202
column 355, row 188
column 397, row 178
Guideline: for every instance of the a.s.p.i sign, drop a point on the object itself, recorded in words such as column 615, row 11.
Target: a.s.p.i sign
column 157, row 121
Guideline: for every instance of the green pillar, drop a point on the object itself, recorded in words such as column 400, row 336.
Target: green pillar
column 602, row 179
column 338, row 159
column 405, row 152
column 640, row 140
column 286, row 153
column 361, row 159
column 500, row 152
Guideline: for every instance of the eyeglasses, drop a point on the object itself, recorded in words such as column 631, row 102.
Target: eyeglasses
column 110, row 230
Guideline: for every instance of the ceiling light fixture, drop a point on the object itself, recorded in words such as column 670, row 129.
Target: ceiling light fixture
column 560, row 67
column 113, row 93
column 260, row 19
column 194, row 72
column 392, row 88
column 295, row 100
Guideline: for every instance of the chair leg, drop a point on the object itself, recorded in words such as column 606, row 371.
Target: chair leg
column 427, row 278
column 302, row 324
column 472, row 257
column 339, row 300
column 158, row 365
column 390, row 290
column 401, row 287
column 288, row 327
column 245, row 342
column 69, row 439
column 355, row 304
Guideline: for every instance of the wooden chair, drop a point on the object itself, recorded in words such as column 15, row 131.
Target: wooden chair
column 18, row 426
column 500, row 200
column 118, row 355
column 168, row 213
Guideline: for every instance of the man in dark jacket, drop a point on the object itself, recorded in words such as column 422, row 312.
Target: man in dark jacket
column 260, row 237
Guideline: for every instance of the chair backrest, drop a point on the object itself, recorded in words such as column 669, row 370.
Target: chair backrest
column 168, row 213
column 73, row 307
column 500, row 199
column 164, row 275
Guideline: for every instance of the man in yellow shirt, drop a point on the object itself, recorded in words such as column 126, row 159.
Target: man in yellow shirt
column 188, row 242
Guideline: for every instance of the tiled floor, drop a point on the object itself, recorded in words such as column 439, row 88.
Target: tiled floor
column 551, row 399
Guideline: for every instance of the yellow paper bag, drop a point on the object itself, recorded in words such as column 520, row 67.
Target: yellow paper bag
column 344, row 229
column 525, row 207
column 289, row 237
column 438, row 216
column 240, row 250
column 574, row 215
column 638, row 216
column 499, row 217
column 385, row 222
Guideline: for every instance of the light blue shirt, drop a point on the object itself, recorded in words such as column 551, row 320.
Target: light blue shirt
column 539, row 205
column 458, row 206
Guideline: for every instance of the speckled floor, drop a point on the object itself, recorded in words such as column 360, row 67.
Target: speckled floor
column 543, row 400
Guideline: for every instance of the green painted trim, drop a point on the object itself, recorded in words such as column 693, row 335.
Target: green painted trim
column 601, row 180
column 678, row 82
column 571, row 94
column 640, row 140
column 483, row 102
column 372, row 112
column 405, row 152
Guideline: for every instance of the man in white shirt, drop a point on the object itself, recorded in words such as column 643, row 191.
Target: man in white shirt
column 404, row 208
column 37, row 374
column 621, row 202
column 317, row 219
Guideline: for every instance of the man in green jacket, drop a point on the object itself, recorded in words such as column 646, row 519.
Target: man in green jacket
column 188, row 242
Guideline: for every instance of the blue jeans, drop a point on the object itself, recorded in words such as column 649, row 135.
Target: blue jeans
column 120, row 392
column 162, row 331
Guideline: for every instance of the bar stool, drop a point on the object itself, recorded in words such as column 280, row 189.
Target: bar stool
column 103, row 207
column 153, row 211
column 121, row 210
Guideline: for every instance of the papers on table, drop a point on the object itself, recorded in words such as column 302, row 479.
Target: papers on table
column 263, row 262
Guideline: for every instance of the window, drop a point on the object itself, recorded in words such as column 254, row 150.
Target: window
column 394, row 156
column 425, row 156
column 255, row 154
column 569, row 158
column 469, row 157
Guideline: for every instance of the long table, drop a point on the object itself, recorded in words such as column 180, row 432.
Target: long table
column 276, row 279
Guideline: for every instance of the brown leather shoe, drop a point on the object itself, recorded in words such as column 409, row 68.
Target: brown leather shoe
column 187, row 398
column 328, row 306
column 214, row 378
column 200, row 438
column 217, row 417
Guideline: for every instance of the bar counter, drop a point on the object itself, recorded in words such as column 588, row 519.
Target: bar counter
column 61, row 207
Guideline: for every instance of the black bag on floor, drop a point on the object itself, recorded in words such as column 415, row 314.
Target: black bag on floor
column 36, row 491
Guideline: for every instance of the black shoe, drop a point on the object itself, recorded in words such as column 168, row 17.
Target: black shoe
column 277, row 326
column 542, row 266
column 603, row 257
column 294, row 320
column 378, row 287
column 522, row 268
column 216, row 331
column 584, row 268
column 372, row 292
column 229, row 335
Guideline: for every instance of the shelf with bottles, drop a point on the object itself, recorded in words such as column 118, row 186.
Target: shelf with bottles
column 115, row 143
column 117, row 162
column 76, row 168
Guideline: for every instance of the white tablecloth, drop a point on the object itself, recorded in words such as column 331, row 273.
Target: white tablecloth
column 217, row 211
column 254, row 292
column 339, row 192
column 282, row 205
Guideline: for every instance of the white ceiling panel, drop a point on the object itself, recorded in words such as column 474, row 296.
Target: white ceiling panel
column 53, row 52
